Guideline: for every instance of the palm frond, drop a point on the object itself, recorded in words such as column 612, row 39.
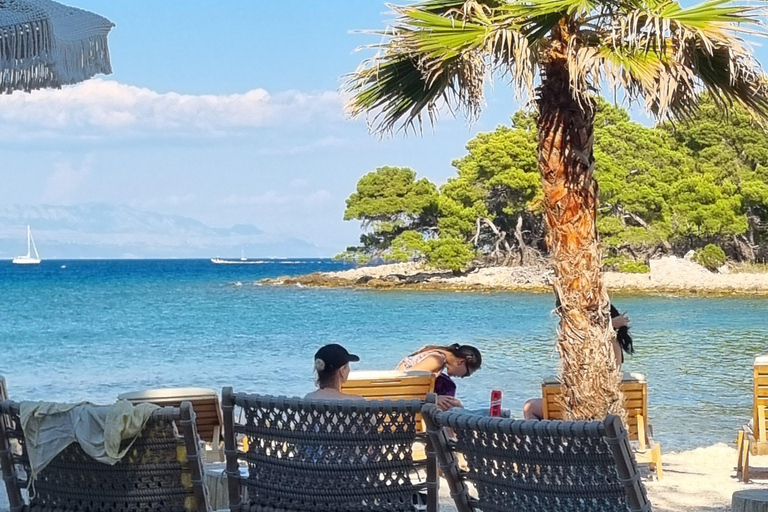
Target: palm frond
column 669, row 24
column 431, row 60
column 393, row 88
column 730, row 76
column 668, row 55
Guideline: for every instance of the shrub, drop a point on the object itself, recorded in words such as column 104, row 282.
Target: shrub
column 634, row 267
column 407, row 246
column 624, row 264
column 449, row 253
column 710, row 257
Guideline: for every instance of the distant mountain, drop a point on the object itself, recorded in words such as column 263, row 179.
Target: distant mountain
column 98, row 230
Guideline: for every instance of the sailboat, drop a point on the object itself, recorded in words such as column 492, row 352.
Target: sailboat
column 28, row 259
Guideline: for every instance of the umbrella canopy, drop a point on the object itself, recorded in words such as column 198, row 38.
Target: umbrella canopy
column 46, row 44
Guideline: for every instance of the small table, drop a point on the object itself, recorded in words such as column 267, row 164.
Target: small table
column 215, row 478
column 750, row 500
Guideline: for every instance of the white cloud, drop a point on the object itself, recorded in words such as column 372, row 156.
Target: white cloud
column 102, row 108
column 65, row 179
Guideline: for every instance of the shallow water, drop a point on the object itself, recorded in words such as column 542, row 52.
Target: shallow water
column 97, row 328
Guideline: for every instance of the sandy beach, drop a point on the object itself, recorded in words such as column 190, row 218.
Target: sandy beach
column 667, row 275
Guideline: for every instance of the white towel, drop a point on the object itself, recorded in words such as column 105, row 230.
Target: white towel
column 99, row 429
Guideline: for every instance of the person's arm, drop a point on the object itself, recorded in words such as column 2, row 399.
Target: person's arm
column 620, row 321
column 435, row 364
column 617, row 353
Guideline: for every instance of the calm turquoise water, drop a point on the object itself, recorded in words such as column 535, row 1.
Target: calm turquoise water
column 97, row 328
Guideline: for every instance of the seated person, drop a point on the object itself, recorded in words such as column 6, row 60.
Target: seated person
column 444, row 362
column 622, row 342
column 332, row 367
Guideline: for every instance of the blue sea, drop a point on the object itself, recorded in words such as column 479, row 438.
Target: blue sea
column 89, row 330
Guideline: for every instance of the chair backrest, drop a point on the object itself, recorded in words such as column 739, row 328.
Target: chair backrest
column 325, row 455
column 390, row 385
column 537, row 465
column 760, row 398
column 205, row 401
column 633, row 386
column 162, row 471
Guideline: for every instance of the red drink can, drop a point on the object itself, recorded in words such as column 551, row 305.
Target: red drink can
column 496, row 402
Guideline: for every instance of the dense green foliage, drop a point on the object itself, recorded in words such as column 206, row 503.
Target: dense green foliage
column 711, row 257
column 667, row 189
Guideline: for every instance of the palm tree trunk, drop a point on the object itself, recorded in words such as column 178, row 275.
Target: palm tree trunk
column 588, row 373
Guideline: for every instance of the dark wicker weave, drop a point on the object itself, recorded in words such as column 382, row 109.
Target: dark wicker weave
column 537, row 465
column 161, row 472
column 325, row 456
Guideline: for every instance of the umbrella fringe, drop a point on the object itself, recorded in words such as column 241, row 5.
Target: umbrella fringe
column 46, row 44
column 81, row 59
column 32, row 59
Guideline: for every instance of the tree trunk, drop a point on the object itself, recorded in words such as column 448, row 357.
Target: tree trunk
column 588, row 373
column 525, row 251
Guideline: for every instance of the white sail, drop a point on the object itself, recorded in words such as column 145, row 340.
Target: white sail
column 27, row 259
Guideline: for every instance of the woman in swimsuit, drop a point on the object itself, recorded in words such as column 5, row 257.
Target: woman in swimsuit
column 444, row 362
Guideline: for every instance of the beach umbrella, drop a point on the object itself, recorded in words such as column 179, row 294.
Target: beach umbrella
column 44, row 44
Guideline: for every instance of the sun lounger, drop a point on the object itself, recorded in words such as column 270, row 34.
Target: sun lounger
column 391, row 385
column 322, row 455
column 207, row 411
column 536, row 465
column 752, row 437
column 162, row 471
column 635, row 390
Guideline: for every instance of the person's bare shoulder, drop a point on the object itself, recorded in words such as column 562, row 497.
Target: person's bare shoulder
column 432, row 363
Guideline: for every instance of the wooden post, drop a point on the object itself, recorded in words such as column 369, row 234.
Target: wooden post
column 641, row 433
column 750, row 500
column 745, row 460
column 739, row 447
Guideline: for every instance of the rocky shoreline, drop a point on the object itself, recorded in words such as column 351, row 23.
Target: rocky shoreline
column 668, row 275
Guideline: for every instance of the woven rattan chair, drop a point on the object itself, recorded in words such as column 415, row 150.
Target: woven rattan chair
column 325, row 456
column 634, row 387
column 161, row 472
column 537, row 465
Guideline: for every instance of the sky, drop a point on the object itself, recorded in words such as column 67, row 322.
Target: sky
column 227, row 112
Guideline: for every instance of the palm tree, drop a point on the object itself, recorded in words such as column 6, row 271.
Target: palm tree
column 561, row 54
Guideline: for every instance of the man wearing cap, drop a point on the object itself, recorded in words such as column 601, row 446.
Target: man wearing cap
column 332, row 368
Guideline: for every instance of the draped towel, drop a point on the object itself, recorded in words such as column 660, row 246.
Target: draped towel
column 46, row 44
column 99, row 429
